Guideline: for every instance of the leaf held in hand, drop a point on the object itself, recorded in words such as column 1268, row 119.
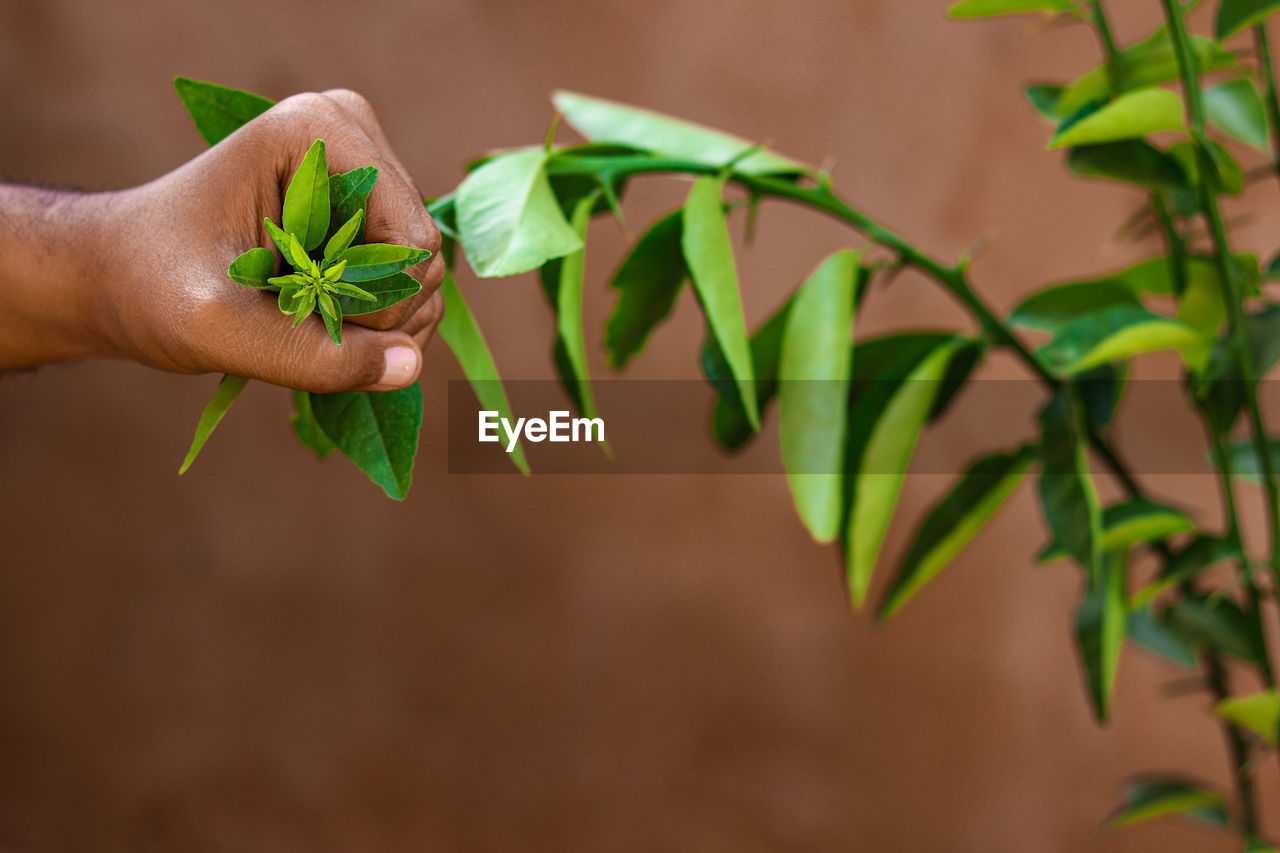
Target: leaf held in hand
column 253, row 268
column 218, row 111
column 378, row 431
column 228, row 389
column 306, row 201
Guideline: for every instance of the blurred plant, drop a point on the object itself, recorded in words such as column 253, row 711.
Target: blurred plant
column 850, row 413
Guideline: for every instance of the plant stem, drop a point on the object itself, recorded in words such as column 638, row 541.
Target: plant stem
column 1231, row 291
column 1272, row 101
column 1238, row 746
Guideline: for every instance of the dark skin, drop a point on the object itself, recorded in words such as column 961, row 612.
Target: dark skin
column 141, row 274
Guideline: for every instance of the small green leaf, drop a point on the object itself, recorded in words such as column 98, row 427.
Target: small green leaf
column 508, row 217
column 1068, row 498
column 955, row 520
column 1235, row 15
column 1259, row 713
column 228, row 389
column 370, row 261
column 459, row 330
column 709, row 255
column 1056, row 307
column 1229, row 177
column 989, row 8
column 331, row 314
column 349, row 194
column 1244, row 459
column 217, row 110
column 885, row 421
column 386, row 291
column 606, row 121
column 303, row 305
column 284, row 242
column 339, row 242
column 569, row 331
column 1201, row 553
column 1236, row 108
column 307, row 429
column 729, row 420
column 298, row 253
column 648, row 282
column 306, row 201
column 1133, row 114
column 378, row 431
column 1133, row 161
column 1155, row 798
column 1117, row 332
column 1216, row 623
column 1151, row 633
column 1044, row 99
column 1133, row 522
column 813, row 391
column 253, row 268
column 1100, row 627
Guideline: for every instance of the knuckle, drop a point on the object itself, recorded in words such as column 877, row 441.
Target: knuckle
column 352, row 101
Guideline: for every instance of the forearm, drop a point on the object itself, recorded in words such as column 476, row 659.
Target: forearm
column 51, row 252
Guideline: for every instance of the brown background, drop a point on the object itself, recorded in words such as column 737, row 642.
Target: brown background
column 268, row 655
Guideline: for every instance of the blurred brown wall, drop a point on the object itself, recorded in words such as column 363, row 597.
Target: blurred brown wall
column 268, row 655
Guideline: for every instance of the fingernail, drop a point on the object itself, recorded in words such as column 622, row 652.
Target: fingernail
column 402, row 364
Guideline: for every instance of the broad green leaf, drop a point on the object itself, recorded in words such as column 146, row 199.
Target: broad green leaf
column 1235, row 15
column 1133, row 161
column 813, row 391
column 1151, row 633
column 306, row 428
column 708, row 253
column 228, row 389
column 462, row 334
column 386, row 291
column 1100, row 627
column 370, row 261
column 306, row 201
column 955, row 520
column 600, row 120
column 1216, row 623
column 253, row 268
column 989, row 8
column 1155, row 798
column 1133, row 522
column 1259, row 713
column 349, row 195
column 648, row 282
column 217, row 110
column 1067, row 494
column 1056, row 307
column 1236, row 108
column 1117, row 332
column 569, row 329
column 1133, row 114
column 508, row 217
column 1146, row 63
column 377, row 430
column 885, row 423
column 342, row 239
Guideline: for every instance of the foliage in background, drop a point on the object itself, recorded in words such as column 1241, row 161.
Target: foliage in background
column 851, row 409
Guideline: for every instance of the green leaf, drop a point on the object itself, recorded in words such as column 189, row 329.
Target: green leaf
column 285, row 244
column 607, row 121
column 955, row 520
column 306, row 201
column 648, row 282
column 349, row 195
column 1229, row 178
column 1216, row 623
column 1067, row 494
column 1044, row 100
column 461, row 333
column 989, row 8
column 1236, row 108
column 217, row 110
column 569, row 329
column 1254, row 845
column 377, row 430
column 813, row 391
column 1235, row 15
column 709, row 255
column 341, row 240
column 1133, row 522
column 253, row 268
column 1155, row 798
column 228, row 389
column 1054, row 308
column 1117, row 332
column 1244, row 459
column 885, row 422
column 307, row 429
column 729, row 420
column 1201, row 553
column 1133, row 161
column 386, row 291
column 371, row 261
column 508, row 217
column 1133, row 114
column 1100, row 389
column 331, row 315
column 1151, row 633
column 1100, row 627
column 1259, row 713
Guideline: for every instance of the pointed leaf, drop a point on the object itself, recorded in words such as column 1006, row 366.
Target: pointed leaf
column 218, row 111
column 1259, row 713
column 284, row 242
column 989, row 8
column 349, row 194
column 1235, row 15
column 1155, row 798
column 387, row 291
column 306, row 428
column 1144, row 628
column 569, row 329
column 341, row 240
column 1236, row 108
column 306, row 201
column 371, row 261
column 228, row 389
column 377, row 430
column 1117, row 332
column 1133, row 161
column 1133, row 114
column 1067, row 494
column 1216, row 623
column 1151, row 61
column 813, row 391
column 648, row 282
column 1100, row 628
column 253, row 268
